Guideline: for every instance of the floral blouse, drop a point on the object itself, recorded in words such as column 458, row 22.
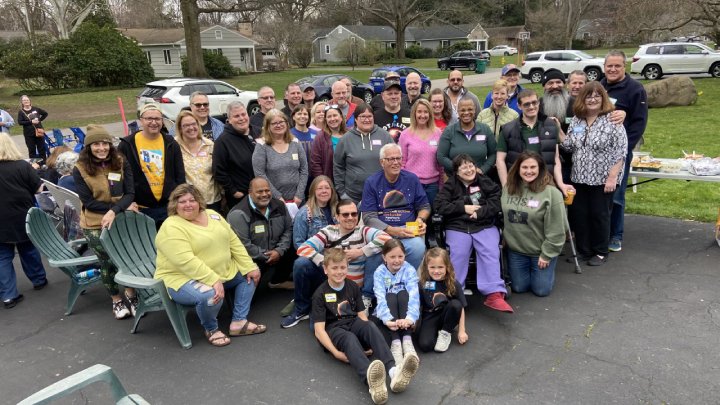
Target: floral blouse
column 595, row 149
column 198, row 170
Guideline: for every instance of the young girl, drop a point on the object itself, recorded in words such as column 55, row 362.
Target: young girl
column 398, row 300
column 443, row 303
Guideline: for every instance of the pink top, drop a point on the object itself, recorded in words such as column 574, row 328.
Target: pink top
column 420, row 156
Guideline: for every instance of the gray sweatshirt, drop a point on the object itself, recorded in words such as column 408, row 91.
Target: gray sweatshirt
column 356, row 157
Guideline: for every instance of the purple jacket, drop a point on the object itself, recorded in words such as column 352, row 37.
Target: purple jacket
column 321, row 155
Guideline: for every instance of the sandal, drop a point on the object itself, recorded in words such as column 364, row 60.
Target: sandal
column 217, row 338
column 244, row 331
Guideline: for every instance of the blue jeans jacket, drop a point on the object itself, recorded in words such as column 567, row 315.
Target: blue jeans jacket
column 304, row 227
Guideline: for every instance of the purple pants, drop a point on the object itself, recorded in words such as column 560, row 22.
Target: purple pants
column 487, row 253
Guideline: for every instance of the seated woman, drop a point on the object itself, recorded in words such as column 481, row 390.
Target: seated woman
column 198, row 257
column 317, row 213
column 470, row 203
column 49, row 170
column 65, row 165
column 534, row 230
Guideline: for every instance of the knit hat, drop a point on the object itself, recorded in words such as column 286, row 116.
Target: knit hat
column 551, row 74
column 96, row 133
column 149, row 107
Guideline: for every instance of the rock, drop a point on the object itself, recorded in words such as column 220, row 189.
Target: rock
column 674, row 90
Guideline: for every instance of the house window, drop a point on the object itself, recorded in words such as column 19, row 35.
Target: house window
column 327, row 49
column 148, row 55
column 444, row 43
column 217, row 51
column 267, row 53
column 218, row 34
column 168, row 58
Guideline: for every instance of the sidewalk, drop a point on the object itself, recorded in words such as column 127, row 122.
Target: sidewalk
column 641, row 329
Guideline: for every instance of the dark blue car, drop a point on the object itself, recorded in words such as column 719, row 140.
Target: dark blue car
column 323, row 86
column 377, row 78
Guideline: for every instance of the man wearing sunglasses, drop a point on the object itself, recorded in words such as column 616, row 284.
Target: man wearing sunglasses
column 212, row 128
column 361, row 244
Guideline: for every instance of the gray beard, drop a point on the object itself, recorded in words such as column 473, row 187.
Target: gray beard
column 555, row 105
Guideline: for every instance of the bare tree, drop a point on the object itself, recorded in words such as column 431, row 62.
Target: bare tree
column 398, row 14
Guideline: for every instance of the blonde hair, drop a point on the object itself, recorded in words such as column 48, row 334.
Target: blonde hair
column 315, row 107
column 501, row 84
column 413, row 120
column 334, row 255
column 8, row 149
column 266, row 135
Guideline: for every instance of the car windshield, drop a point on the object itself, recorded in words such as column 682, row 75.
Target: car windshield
column 585, row 55
column 305, row 80
column 379, row 73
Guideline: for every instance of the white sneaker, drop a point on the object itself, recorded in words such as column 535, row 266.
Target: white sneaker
column 467, row 291
column 120, row 310
column 443, row 341
column 397, row 353
column 376, row 382
column 367, row 301
column 402, row 377
column 407, row 347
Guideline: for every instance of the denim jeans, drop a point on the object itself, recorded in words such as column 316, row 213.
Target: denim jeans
column 31, row 265
column 195, row 293
column 307, row 277
column 431, row 191
column 414, row 252
column 526, row 276
column 617, row 217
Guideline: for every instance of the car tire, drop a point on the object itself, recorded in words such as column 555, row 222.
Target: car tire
column 443, row 66
column 368, row 96
column 592, row 74
column 472, row 66
column 536, row 76
column 253, row 108
column 715, row 69
column 425, row 88
column 652, row 72
column 507, row 53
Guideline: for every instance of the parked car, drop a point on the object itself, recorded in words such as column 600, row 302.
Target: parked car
column 503, row 50
column 174, row 94
column 323, row 86
column 536, row 63
column 689, row 38
column 377, row 78
column 462, row 60
column 655, row 60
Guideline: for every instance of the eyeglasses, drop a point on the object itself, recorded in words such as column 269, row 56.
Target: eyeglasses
column 530, row 104
column 365, row 117
column 348, row 214
column 278, row 123
column 189, row 126
column 593, row 97
column 331, row 106
column 455, row 80
column 151, row 119
column 201, row 105
column 267, row 98
column 393, row 159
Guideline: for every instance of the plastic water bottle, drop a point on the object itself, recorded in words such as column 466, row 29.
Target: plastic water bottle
column 88, row 273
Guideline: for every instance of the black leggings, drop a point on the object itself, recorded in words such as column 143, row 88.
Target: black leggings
column 398, row 305
column 445, row 317
column 36, row 147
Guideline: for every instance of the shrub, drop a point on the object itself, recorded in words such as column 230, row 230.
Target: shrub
column 216, row 64
column 416, row 52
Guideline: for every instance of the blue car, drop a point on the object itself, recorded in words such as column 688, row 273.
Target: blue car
column 377, row 78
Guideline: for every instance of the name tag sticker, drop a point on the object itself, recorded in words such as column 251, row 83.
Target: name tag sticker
column 259, row 228
column 474, row 189
column 405, row 120
column 215, row 217
column 533, row 203
column 578, row 129
column 430, row 285
column 568, row 120
column 533, row 140
column 294, row 156
column 331, row 297
column 377, row 142
column 613, row 100
column 202, row 153
column 114, row 176
column 480, row 138
column 433, row 143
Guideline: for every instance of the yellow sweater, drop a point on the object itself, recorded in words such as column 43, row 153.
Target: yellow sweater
column 186, row 251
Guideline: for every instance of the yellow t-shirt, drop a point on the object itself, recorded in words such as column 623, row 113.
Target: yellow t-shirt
column 152, row 159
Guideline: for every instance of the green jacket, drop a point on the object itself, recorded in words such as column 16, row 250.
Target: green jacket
column 481, row 146
column 488, row 117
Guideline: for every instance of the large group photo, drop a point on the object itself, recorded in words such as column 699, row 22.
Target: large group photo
column 496, row 212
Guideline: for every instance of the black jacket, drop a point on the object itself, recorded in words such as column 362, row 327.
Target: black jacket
column 232, row 162
column 547, row 131
column 260, row 234
column 173, row 167
column 451, row 200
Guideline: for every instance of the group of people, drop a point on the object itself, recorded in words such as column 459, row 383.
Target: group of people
column 334, row 199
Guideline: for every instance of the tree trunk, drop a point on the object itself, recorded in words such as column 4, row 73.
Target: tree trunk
column 193, row 48
column 400, row 26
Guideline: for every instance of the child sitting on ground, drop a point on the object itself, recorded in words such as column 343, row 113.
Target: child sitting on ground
column 442, row 302
column 343, row 329
column 398, row 300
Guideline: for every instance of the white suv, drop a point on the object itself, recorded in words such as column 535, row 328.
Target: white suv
column 174, row 94
column 502, row 50
column 655, row 60
column 564, row 60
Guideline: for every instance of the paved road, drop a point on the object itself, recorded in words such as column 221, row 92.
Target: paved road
column 643, row 329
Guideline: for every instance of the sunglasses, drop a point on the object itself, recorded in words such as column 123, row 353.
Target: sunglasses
column 331, row 106
column 348, row 214
column 201, row 105
column 531, row 104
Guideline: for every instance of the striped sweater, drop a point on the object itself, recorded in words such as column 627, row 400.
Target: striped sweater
column 370, row 240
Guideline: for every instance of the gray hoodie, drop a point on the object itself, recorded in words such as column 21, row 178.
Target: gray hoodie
column 356, row 157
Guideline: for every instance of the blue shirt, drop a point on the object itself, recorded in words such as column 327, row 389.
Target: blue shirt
column 395, row 203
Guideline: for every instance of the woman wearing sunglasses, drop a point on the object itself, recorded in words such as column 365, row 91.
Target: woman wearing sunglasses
column 323, row 147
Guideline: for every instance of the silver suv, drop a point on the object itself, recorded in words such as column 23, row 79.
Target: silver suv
column 564, row 60
column 174, row 94
column 655, row 60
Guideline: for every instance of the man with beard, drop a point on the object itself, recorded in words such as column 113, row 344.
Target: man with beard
column 556, row 102
column 456, row 91
column 232, row 154
column 340, row 96
column 393, row 117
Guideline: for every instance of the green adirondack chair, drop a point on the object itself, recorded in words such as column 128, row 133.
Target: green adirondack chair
column 78, row 381
column 60, row 254
column 130, row 243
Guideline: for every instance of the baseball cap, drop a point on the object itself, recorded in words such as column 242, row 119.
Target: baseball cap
column 392, row 82
column 306, row 86
column 509, row 68
column 149, row 107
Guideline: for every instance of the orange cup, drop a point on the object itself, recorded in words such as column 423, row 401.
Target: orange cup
column 570, row 197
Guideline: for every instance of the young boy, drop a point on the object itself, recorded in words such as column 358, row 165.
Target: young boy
column 343, row 329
